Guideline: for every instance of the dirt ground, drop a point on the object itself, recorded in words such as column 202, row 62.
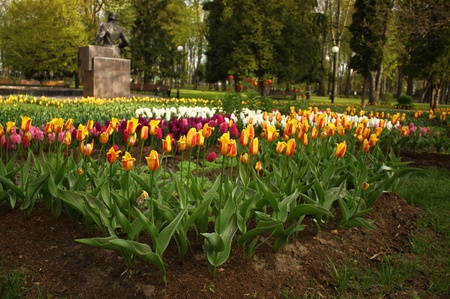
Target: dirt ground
column 55, row 264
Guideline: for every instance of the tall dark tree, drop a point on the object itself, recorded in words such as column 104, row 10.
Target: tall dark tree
column 425, row 26
column 153, row 44
column 369, row 36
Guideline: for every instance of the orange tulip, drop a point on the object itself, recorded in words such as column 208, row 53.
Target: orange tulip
column 378, row 131
column 258, row 166
column 340, row 149
column 244, row 138
column 244, row 158
column 271, row 133
column 153, row 160
column 144, row 133
column 86, row 149
column 305, row 139
column 366, row 133
column 405, row 131
column 191, row 138
column 128, row 161
column 103, row 137
column 373, row 140
column 290, row 148
column 254, row 147
column 182, row 143
column 207, row 131
column 314, row 133
column 112, row 154
column 154, row 123
column 365, row 185
column 26, row 124
column 132, row 126
column 167, row 144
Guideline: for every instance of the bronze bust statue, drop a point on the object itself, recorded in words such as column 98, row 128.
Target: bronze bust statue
column 112, row 35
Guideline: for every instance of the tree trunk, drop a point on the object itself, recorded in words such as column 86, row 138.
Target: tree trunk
column 410, row 87
column 348, row 82
column 399, row 84
column 364, row 91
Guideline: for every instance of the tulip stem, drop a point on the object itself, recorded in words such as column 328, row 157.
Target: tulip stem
column 151, row 194
column 220, row 193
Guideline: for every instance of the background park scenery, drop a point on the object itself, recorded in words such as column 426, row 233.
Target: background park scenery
column 334, row 186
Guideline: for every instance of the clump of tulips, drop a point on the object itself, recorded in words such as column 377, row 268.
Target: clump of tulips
column 273, row 171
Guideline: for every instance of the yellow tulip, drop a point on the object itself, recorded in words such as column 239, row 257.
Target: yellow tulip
column 128, row 161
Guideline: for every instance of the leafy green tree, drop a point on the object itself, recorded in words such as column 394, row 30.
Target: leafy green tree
column 369, row 36
column 42, row 36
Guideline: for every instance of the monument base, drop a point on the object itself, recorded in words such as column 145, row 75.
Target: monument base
column 110, row 78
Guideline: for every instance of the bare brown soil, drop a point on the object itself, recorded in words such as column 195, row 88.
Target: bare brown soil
column 55, row 264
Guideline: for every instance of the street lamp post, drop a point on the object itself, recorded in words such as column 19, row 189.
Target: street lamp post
column 179, row 49
column 335, row 50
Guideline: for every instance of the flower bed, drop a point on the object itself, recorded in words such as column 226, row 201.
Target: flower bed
column 273, row 170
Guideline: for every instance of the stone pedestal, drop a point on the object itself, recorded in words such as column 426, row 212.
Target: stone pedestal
column 103, row 75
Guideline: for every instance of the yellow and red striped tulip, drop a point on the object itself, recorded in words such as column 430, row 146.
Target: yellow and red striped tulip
column 112, row 154
column 271, row 133
column 291, row 127
column 223, row 143
column 68, row 138
column 90, row 125
column 26, row 124
column 153, row 160
column 191, row 138
column 244, row 138
column 68, row 124
column 110, row 129
column 132, row 139
column 154, row 123
column 254, row 147
column 244, row 158
column 86, row 148
column 290, row 148
column 48, row 127
column 2, row 130
column 340, row 149
column 281, row 146
column 144, row 133
column 132, row 126
column 58, row 125
column 128, row 161
column 366, row 146
column 81, row 133
column 114, row 123
column 258, row 166
column 373, row 140
column 341, row 130
column 251, row 131
column 27, row 137
column 167, row 144
column 200, row 139
column 232, row 149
